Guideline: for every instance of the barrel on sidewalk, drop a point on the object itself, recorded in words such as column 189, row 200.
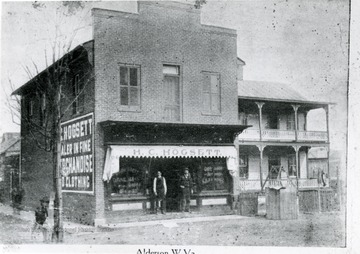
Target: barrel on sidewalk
column 282, row 203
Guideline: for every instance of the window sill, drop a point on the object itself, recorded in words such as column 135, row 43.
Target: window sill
column 212, row 193
column 126, row 197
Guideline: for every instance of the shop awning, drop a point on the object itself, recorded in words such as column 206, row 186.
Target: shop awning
column 114, row 152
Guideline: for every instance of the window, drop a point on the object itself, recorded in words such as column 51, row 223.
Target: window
column 242, row 118
column 290, row 122
column 79, row 95
column 211, row 93
column 42, row 108
column 214, row 175
column 244, row 166
column 292, row 165
column 30, row 107
column 171, row 81
column 130, row 178
column 272, row 122
column 129, row 86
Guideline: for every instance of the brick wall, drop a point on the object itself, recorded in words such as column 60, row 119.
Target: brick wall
column 36, row 163
column 161, row 34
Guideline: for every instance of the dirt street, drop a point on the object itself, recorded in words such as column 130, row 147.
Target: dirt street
column 326, row 229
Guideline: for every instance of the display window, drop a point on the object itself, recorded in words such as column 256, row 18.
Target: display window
column 131, row 178
column 214, row 175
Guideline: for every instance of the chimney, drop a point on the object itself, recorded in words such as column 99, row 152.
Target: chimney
column 240, row 65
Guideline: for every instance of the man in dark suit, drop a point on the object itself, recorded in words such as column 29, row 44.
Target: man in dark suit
column 186, row 191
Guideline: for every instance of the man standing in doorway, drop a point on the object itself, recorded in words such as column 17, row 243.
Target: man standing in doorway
column 160, row 193
column 186, row 191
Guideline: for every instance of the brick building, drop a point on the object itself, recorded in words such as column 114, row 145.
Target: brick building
column 154, row 90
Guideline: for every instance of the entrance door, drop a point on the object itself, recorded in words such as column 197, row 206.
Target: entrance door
column 274, row 167
column 172, row 169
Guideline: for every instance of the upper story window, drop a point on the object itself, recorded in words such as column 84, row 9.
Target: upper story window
column 243, row 118
column 272, row 122
column 42, row 108
column 171, row 83
column 129, row 86
column 290, row 122
column 79, row 95
column 211, row 93
column 30, row 107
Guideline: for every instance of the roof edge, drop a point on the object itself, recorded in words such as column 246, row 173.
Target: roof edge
column 82, row 45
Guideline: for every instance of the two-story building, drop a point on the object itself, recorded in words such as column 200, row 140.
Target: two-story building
column 278, row 148
column 154, row 90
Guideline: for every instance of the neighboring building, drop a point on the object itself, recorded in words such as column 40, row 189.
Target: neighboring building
column 278, row 146
column 160, row 93
column 9, row 165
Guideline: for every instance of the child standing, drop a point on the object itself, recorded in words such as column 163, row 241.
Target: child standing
column 41, row 214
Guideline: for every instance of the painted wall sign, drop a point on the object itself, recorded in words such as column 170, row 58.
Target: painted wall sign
column 77, row 154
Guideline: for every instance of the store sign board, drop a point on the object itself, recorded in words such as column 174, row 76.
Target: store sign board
column 172, row 151
column 77, row 154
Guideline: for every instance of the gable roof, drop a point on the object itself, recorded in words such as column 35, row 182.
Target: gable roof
column 271, row 91
column 7, row 144
column 84, row 47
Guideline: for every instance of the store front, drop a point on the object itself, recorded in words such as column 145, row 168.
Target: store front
column 130, row 165
column 131, row 170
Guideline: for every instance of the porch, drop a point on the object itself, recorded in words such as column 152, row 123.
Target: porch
column 278, row 166
column 279, row 121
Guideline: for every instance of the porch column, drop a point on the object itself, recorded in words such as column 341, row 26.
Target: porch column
column 296, row 107
column 260, row 105
column 261, row 149
column 305, row 116
column 326, row 108
column 296, row 148
column 328, row 162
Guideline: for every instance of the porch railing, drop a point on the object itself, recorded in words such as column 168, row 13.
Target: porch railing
column 282, row 135
column 249, row 134
column 254, row 184
column 313, row 136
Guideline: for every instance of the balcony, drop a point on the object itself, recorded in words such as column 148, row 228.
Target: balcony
column 312, row 136
column 283, row 135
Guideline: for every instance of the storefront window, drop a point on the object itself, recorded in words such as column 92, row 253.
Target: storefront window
column 214, row 175
column 130, row 179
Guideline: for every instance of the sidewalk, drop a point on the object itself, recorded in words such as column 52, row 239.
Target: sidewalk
column 172, row 222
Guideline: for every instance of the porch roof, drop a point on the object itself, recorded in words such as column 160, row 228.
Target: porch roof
column 269, row 91
column 119, row 132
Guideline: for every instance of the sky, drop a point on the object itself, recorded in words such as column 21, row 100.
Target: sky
column 301, row 43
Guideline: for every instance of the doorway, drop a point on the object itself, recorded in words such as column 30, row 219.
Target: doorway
column 274, row 167
column 172, row 169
